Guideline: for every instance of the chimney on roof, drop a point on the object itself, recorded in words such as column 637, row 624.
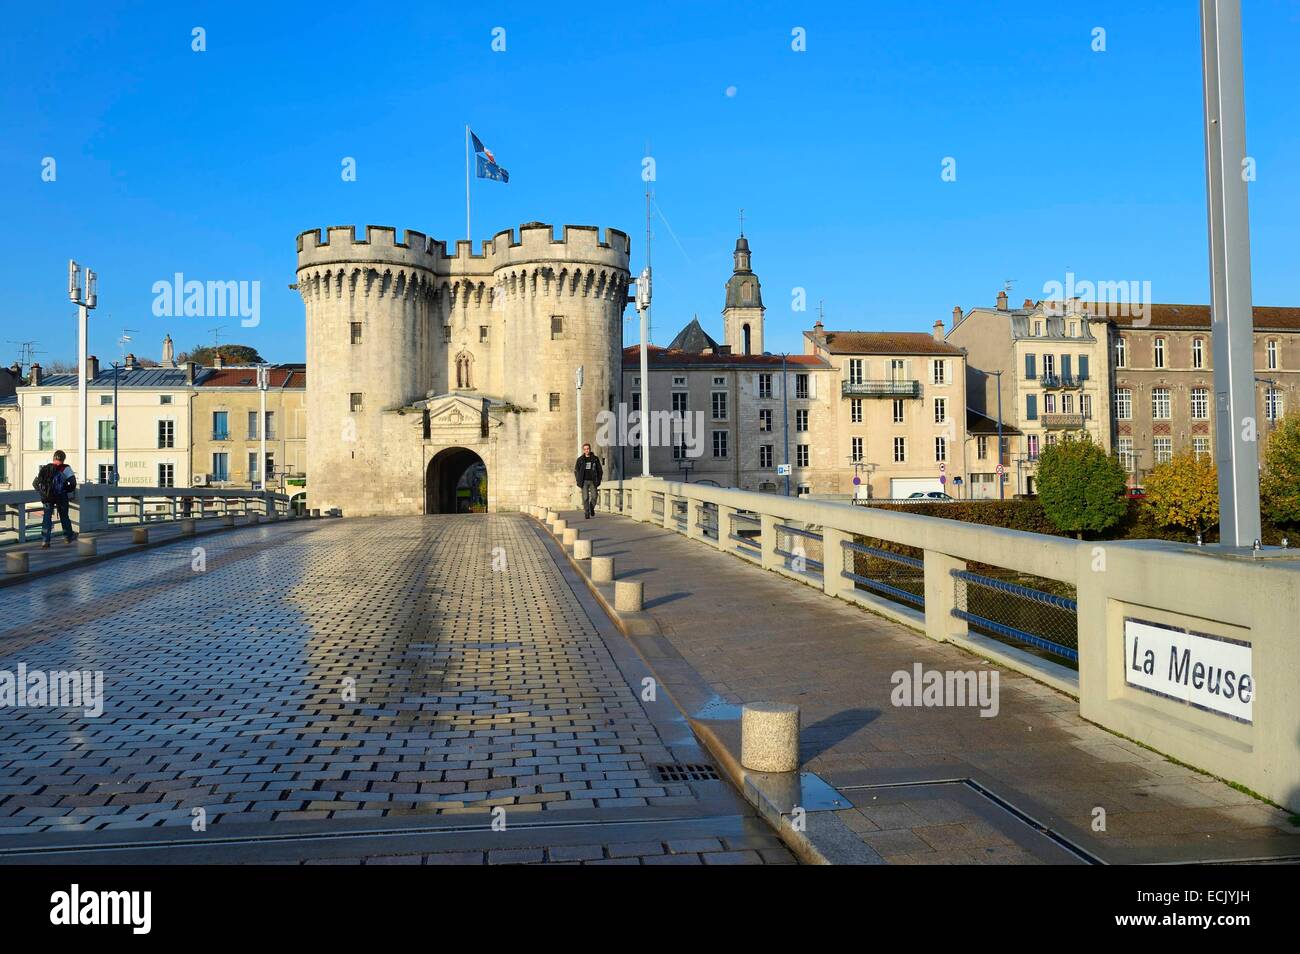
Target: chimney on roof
column 129, row 363
column 92, row 367
column 34, row 376
column 216, row 360
column 1002, row 300
column 956, row 315
column 189, row 372
column 938, row 330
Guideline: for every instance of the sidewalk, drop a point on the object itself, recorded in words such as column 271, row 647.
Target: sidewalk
column 927, row 785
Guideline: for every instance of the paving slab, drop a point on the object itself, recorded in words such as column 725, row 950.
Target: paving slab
column 372, row 682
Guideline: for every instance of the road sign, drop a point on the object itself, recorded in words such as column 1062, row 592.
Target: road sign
column 942, row 479
column 1001, row 468
column 956, row 480
column 942, row 468
column 857, row 481
column 783, row 470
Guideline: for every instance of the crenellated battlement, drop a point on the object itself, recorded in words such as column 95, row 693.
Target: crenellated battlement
column 536, row 243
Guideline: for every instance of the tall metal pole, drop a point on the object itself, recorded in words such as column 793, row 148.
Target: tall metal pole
column 785, row 418
column 643, row 295
column 469, row 237
column 116, row 472
column 1236, row 430
column 83, row 398
column 263, row 381
column 1002, row 484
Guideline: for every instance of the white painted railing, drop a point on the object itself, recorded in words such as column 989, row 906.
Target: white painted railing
column 98, row 507
column 819, row 543
column 1217, row 597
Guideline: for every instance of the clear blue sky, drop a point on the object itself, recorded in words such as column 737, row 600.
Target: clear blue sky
column 211, row 163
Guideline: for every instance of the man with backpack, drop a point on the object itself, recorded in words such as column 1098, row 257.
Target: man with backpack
column 55, row 482
column 587, row 473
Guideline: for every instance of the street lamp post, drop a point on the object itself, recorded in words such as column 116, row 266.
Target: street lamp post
column 85, row 299
column 1002, row 484
column 785, row 418
column 263, row 381
column 643, row 309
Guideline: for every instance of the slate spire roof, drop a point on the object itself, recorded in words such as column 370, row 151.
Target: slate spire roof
column 693, row 339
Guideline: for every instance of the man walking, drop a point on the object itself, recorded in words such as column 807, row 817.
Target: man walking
column 55, row 482
column 588, row 473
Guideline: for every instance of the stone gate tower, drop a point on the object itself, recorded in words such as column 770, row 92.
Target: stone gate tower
column 422, row 365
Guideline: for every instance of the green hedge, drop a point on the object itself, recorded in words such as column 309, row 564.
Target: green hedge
column 1138, row 524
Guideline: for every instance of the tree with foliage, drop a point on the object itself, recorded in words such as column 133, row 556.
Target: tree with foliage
column 230, row 354
column 1280, row 486
column 1081, row 488
column 1184, row 492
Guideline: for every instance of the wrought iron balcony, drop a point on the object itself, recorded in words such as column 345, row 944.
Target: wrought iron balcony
column 1064, row 422
column 888, row 388
column 1054, row 381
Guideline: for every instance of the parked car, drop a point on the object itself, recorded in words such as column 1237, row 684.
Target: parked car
column 1135, row 493
column 929, row 495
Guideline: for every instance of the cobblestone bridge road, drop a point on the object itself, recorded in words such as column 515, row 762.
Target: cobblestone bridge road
column 347, row 690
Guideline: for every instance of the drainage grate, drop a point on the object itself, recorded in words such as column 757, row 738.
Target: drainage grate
column 686, row 772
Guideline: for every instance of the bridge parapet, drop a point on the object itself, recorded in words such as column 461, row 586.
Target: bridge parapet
column 98, row 507
column 1189, row 650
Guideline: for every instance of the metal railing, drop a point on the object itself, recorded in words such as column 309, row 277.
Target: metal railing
column 884, row 388
column 99, row 507
column 1018, row 613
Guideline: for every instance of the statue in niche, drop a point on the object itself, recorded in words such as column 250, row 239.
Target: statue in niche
column 464, row 371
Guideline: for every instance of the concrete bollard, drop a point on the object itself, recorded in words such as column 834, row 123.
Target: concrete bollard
column 602, row 569
column 769, row 737
column 315, row 512
column 629, row 596
column 187, row 527
column 560, row 525
column 569, row 537
column 15, row 562
column 255, row 518
column 140, row 535
column 86, row 546
column 582, row 549
column 228, row 520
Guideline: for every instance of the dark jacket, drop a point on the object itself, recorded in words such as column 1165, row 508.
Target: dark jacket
column 588, row 468
column 44, row 482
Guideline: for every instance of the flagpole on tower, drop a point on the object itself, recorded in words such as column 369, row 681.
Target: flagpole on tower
column 468, row 235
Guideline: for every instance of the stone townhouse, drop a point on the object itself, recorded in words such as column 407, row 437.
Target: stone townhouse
column 136, row 416
column 898, row 411
column 1047, row 363
column 1163, row 373
column 740, row 425
column 228, row 428
column 10, row 428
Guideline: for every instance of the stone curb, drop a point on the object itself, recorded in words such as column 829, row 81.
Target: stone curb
column 826, row 840
column 84, row 561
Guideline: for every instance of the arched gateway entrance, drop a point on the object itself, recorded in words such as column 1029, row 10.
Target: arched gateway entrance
column 456, row 482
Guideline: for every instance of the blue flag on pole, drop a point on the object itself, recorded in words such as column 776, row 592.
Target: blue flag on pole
column 487, row 167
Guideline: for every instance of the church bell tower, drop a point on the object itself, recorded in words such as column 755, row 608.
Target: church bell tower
column 742, row 315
